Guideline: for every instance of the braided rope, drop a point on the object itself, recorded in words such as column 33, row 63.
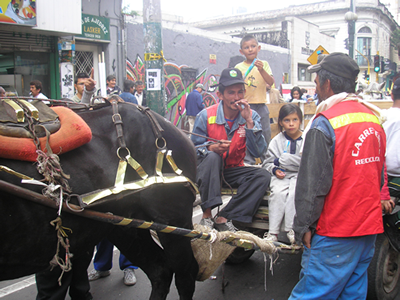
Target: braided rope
column 65, row 265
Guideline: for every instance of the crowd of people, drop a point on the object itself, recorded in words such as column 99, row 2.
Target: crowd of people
column 325, row 181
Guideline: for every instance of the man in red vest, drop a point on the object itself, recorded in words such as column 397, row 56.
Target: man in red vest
column 338, row 188
column 237, row 128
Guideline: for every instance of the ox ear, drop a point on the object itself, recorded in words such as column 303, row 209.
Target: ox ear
column 381, row 86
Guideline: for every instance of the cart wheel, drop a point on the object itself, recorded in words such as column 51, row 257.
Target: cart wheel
column 384, row 271
column 239, row 255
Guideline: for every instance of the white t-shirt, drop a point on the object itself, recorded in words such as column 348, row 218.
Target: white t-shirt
column 392, row 130
column 139, row 98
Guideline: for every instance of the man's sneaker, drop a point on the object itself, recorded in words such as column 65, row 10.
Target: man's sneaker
column 270, row 237
column 291, row 237
column 228, row 226
column 94, row 274
column 207, row 222
column 129, row 276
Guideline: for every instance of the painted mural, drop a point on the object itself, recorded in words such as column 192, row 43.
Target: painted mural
column 179, row 82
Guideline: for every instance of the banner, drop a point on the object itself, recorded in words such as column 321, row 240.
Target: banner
column 21, row 12
column 95, row 28
column 67, row 80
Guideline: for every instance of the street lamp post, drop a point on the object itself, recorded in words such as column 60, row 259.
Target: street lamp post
column 351, row 18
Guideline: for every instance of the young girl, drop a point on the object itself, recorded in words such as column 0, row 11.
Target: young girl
column 283, row 161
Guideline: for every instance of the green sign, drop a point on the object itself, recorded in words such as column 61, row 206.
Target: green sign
column 95, row 27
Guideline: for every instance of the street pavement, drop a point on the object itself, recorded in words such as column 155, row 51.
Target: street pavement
column 242, row 281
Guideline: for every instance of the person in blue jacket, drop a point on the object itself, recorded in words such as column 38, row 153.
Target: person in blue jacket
column 127, row 95
column 194, row 104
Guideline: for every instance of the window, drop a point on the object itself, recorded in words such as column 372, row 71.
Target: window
column 303, row 74
column 364, row 46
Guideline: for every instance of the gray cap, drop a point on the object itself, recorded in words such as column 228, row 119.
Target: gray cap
column 199, row 85
column 339, row 64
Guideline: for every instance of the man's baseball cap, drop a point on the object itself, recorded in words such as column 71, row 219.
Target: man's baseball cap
column 396, row 87
column 230, row 76
column 199, row 85
column 339, row 64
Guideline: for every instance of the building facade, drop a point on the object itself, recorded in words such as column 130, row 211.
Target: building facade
column 193, row 56
column 46, row 40
column 323, row 23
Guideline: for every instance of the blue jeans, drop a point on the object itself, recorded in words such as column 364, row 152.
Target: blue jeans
column 103, row 258
column 335, row 268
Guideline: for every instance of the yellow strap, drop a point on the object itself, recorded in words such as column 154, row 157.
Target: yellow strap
column 137, row 185
column 18, row 110
column 15, row 173
column 32, row 109
column 172, row 163
column 159, row 163
column 351, row 118
column 119, row 179
column 137, row 167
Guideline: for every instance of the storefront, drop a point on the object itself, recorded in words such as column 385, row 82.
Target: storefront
column 94, row 39
column 28, row 45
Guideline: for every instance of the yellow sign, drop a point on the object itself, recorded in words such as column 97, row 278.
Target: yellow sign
column 313, row 58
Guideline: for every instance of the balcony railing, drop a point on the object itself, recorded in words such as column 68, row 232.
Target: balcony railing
column 362, row 62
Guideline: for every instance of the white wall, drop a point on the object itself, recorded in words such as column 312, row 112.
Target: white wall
column 59, row 16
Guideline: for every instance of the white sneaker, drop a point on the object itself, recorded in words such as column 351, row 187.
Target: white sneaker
column 291, row 237
column 129, row 276
column 270, row 237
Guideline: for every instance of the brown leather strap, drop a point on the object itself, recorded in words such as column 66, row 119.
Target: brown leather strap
column 116, row 117
column 157, row 129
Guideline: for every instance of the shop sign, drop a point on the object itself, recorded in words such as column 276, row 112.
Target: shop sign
column 95, row 28
column 21, row 12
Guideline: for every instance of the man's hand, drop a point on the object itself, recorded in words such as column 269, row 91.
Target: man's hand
column 90, row 83
column 387, row 206
column 307, row 239
column 220, row 148
column 280, row 174
column 245, row 111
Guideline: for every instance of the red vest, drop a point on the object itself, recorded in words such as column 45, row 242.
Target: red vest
column 352, row 206
column 234, row 157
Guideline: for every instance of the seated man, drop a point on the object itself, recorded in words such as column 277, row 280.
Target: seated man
column 236, row 127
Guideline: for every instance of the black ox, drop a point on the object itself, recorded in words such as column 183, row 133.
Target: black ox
column 28, row 241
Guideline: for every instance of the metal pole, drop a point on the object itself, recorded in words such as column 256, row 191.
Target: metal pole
column 351, row 29
column 154, row 57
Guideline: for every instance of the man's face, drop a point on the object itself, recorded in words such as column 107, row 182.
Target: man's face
column 2, row 93
column 250, row 49
column 111, row 83
column 139, row 89
column 80, row 85
column 321, row 91
column 34, row 90
column 231, row 95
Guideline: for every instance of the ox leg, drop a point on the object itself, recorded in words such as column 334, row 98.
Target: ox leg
column 180, row 256
column 76, row 280
column 140, row 249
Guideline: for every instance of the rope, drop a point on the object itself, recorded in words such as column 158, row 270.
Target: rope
column 65, row 265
